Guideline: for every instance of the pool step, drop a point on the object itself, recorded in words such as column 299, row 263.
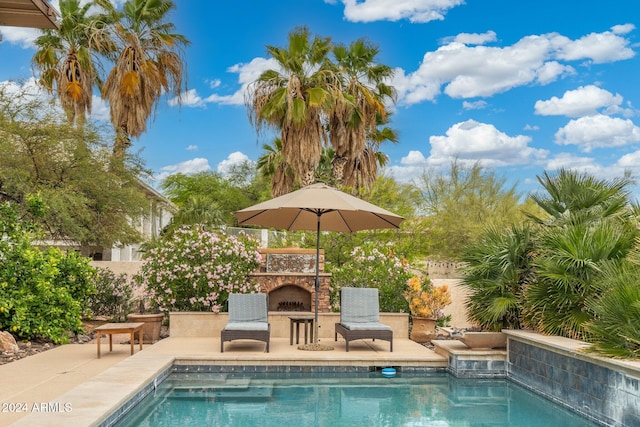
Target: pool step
column 233, row 389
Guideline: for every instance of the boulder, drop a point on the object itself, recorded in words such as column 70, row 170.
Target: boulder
column 8, row 342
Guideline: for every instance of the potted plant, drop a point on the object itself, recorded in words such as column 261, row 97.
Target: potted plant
column 425, row 305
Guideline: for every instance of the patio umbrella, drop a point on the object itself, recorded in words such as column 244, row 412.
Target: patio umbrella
column 318, row 207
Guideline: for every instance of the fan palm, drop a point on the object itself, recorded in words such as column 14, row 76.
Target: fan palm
column 66, row 59
column 589, row 223
column 358, row 110
column 272, row 166
column 499, row 268
column 150, row 63
column 294, row 99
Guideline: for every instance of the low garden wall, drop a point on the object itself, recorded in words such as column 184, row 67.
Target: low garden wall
column 196, row 324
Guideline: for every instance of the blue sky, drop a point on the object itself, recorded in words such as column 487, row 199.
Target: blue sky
column 521, row 87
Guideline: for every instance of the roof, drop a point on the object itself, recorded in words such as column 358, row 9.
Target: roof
column 28, row 13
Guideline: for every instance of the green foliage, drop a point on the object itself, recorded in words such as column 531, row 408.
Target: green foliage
column 41, row 291
column 615, row 328
column 460, row 203
column 196, row 270
column 87, row 198
column 372, row 266
column 548, row 275
column 206, row 198
column 114, row 296
column 588, row 224
column 498, row 270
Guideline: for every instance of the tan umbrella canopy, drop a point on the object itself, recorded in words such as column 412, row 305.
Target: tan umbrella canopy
column 318, row 207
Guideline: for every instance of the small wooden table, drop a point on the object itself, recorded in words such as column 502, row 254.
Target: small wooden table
column 119, row 328
column 297, row 320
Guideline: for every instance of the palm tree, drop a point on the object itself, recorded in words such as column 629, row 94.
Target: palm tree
column 590, row 223
column 499, row 268
column 358, row 111
column 66, row 60
column 294, row 100
column 273, row 167
column 362, row 170
column 150, row 63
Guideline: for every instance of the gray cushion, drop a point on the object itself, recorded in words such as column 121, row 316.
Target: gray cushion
column 248, row 308
column 367, row 326
column 359, row 305
column 247, row 326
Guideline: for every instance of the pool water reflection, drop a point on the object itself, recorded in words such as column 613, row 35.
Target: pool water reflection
column 238, row 399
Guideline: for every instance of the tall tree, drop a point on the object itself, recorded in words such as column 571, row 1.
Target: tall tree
column 294, row 100
column 205, row 195
column 358, row 110
column 272, row 166
column 461, row 202
column 84, row 200
column 66, row 58
column 150, row 63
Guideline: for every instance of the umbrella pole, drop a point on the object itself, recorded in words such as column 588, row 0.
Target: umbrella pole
column 317, row 283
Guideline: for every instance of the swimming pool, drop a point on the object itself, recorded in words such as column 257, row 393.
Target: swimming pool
column 345, row 399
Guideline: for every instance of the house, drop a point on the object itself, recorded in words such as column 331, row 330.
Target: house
column 159, row 215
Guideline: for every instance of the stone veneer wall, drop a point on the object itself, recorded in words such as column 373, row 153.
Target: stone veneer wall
column 603, row 390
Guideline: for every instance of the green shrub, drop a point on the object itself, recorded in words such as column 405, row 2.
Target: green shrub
column 196, row 270
column 114, row 296
column 615, row 329
column 370, row 267
column 41, row 291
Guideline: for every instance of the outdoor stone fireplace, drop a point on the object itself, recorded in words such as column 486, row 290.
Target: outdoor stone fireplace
column 287, row 276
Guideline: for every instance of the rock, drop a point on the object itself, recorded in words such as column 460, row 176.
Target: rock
column 8, row 342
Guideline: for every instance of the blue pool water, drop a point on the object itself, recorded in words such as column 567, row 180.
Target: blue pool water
column 288, row 400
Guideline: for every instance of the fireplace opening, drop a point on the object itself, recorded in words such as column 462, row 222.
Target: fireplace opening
column 289, row 298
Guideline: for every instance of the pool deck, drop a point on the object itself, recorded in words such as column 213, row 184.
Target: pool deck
column 70, row 386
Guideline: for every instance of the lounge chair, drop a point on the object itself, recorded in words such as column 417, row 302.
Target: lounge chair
column 360, row 317
column 247, row 319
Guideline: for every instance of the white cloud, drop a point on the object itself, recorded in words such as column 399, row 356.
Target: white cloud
column 474, row 105
column 419, row 11
column 584, row 101
column 474, row 141
column 190, row 98
column 469, row 142
column 23, row 37
column 468, row 71
column 473, row 38
column 187, row 167
column 597, row 47
column 192, row 147
column 598, row 131
column 233, row 159
column 569, row 161
column 247, row 74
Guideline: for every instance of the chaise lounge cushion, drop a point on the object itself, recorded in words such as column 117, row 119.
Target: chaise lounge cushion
column 248, row 319
column 247, row 326
column 360, row 316
column 245, row 308
column 366, row 326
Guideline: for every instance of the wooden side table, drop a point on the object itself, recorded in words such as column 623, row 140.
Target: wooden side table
column 306, row 321
column 119, row 328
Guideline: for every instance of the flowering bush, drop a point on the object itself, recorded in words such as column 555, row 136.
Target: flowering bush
column 196, row 270
column 426, row 300
column 371, row 267
column 114, row 295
